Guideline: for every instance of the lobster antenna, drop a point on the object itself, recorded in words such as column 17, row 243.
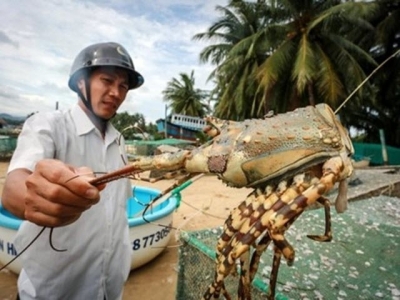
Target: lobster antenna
column 366, row 79
column 134, row 126
column 23, row 250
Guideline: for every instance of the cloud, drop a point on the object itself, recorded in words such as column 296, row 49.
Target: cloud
column 40, row 39
column 6, row 40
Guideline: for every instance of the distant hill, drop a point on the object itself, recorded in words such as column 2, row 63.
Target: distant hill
column 12, row 119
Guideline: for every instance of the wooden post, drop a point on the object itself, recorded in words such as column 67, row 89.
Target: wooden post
column 383, row 143
column 165, row 123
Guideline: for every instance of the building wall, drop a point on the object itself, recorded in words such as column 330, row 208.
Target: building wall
column 176, row 131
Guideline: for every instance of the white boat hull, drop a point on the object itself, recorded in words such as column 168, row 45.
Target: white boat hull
column 7, row 249
column 148, row 238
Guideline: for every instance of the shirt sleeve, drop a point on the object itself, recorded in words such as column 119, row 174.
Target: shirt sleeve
column 35, row 142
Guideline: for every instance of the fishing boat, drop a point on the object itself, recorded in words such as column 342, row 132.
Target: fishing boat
column 149, row 228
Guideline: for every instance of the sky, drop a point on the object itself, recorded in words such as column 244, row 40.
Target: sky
column 39, row 40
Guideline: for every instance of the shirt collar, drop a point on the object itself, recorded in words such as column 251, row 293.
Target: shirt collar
column 82, row 122
column 84, row 125
column 112, row 134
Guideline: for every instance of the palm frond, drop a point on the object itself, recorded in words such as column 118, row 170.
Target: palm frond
column 304, row 67
column 349, row 10
column 328, row 82
column 276, row 63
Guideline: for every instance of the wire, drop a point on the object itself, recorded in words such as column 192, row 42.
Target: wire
column 23, row 250
column 366, row 79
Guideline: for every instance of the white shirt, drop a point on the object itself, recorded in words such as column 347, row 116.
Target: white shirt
column 97, row 261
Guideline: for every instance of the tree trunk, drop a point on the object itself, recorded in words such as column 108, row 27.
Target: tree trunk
column 311, row 94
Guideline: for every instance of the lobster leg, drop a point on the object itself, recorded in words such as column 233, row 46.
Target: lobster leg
column 277, row 218
column 331, row 172
column 300, row 183
column 234, row 222
column 242, row 221
column 261, row 247
column 265, row 241
column 274, row 274
column 237, row 224
column 244, row 289
column 237, row 228
column 259, row 250
column 327, row 237
column 236, row 219
column 282, row 246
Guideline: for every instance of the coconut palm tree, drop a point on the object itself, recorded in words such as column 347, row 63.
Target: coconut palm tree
column 234, row 82
column 289, row 53
column 316, row 60
column 381, row 109
column 184, row 98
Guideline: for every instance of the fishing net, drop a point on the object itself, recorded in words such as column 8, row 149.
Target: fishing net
column 362, row 261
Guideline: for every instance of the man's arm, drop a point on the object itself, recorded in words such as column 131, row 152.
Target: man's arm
column 54, row 194
column 14, row 192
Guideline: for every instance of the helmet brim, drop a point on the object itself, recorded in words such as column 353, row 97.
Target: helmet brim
column 135, row 78
column 103, row 55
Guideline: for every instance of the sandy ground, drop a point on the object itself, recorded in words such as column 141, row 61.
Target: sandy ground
column 205, row 204
column 212, row 202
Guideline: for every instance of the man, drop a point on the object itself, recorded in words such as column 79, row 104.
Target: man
column 47, row 185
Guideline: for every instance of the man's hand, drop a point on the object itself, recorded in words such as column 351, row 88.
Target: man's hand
column 55, row 194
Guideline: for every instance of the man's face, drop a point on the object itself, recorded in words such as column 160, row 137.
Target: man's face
column 108, row 89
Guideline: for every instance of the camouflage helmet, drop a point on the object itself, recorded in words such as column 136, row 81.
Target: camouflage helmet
column 103, row 55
